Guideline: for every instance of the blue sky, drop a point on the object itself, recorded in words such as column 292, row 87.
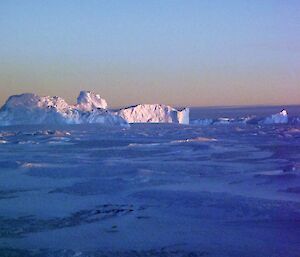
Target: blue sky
column 193, row 53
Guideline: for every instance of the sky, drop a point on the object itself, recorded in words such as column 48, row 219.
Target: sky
column 181, row 53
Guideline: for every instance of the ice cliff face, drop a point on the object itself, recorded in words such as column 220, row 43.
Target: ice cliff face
column 34, row 109
column 278, row 118
column 154, row 113
column 184, row 116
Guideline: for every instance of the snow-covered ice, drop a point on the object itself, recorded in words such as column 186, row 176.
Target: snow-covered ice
column 225, row 190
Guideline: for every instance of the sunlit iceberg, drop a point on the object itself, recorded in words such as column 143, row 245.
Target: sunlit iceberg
column 154, row 113
column 90, row 108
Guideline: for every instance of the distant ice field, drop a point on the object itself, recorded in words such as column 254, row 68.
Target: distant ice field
column 152, row 189
column 243, row 111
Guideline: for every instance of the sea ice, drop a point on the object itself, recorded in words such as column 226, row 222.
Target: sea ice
column 110, row 188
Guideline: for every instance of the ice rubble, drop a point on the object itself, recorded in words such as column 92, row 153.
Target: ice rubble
column 221, row 121
column 154, row 113
column 278, row 118
column 33, row 109
column 90, row 108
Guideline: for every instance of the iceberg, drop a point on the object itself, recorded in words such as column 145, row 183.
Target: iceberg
column 28, row 108
column 184, row 116
column 33, row 109
column 278, row 118
column 154, row 113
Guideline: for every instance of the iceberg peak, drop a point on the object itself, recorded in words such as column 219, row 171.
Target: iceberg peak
column 283, row 113
column 87, row 101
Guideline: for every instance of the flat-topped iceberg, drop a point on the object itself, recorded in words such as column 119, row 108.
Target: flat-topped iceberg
column 154, row 113
column 33, row 109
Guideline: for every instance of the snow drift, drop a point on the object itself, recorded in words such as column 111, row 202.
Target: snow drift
column 33, row 109
column 154, row 113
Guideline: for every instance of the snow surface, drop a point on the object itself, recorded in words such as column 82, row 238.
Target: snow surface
column 154, row 113
column 34, row 109
column 151, row 190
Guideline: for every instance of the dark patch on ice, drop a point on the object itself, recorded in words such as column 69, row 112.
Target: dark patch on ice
column 103, row 143
column 7, row 194
column 280, row 176
column 112, row 229
column 232, row 155
column 235, row 182
column 222, row 206
column 17, row 227
column 9, row 164
column 93, row 187
column 143, row 217
column 295, row 190
column 66, row 172
column 12, row 252
column 281, row 150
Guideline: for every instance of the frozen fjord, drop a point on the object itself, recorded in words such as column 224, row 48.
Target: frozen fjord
column 160, row 190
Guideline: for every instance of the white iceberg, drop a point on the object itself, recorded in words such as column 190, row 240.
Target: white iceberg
column 278, row 118
column 154, row 113
column 34, row 109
